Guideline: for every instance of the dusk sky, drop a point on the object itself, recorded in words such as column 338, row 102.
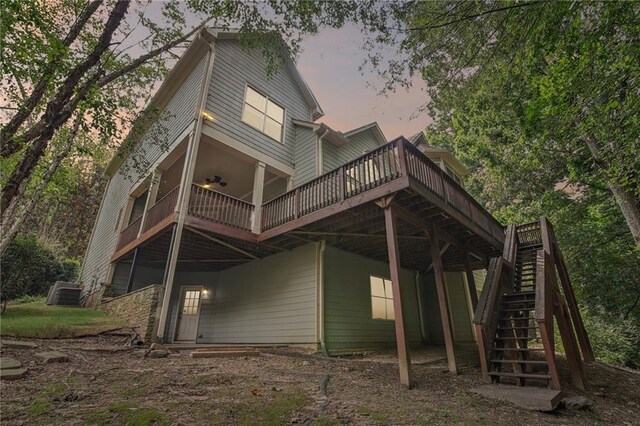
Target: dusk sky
column 329, row 63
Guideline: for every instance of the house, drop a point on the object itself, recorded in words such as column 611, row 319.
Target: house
column 253, row 223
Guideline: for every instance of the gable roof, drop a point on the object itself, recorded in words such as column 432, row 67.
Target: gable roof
column 308, row 95
column 374, row 128
column 419, row 140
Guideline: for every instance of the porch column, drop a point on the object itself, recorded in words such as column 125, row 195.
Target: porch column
column 258, row 190
column 152, row 193
column 132, row 271
column 404, row 359
column 184, row 195
column 438, row 271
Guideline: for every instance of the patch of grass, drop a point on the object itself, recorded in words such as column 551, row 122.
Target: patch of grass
column 127, row 414
column 37, row 320
column 274, row 412
column 39, row 407
column 376, row 416
column 325, row 421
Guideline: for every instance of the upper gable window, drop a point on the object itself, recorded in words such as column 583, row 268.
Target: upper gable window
column 260, row 112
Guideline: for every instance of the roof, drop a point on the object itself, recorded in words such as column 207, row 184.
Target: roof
column 373, row 127
column 327, row 133
column 419, row 140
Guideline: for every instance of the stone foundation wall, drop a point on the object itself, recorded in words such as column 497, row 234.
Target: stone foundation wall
column 138, row 307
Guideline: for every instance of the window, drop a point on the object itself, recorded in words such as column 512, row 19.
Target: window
column 381, row 298
column 454, row 175
column 260, row 112
column 191, row 302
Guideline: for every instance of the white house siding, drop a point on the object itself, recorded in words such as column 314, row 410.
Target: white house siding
column 234, row 68
column 347, row 303
column 334, row 156
column 181, row 110
column 458, row 308
column 305, row 155
column 272, row 300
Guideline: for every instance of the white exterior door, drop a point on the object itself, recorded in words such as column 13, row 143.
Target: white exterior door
column 189, row 314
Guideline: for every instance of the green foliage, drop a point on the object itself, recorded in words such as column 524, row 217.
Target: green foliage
column 127, row 413
column 29, row 269
column 541, row 100
column 614, row 340
column 37, row 320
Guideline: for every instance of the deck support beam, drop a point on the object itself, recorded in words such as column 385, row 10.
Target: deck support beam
column 438, row 272
column 471, row 282
column 404, row 359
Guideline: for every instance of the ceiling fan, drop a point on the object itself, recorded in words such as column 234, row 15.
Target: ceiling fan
column 215, row 180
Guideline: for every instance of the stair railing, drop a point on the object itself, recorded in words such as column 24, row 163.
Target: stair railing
column 497, row 283
column 544, row 312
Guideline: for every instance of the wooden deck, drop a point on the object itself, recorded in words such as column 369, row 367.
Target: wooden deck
column 339, row 206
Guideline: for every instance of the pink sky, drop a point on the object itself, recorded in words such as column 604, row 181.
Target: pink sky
column 329, row 64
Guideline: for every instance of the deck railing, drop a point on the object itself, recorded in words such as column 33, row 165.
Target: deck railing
column 366, row 172
column 384, row 164
column 426, row 172
column 161, row 209
column 129, row 233
column 221, row 208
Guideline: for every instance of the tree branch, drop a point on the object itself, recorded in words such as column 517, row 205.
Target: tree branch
column 146, row 57
column 9, row 144
column 477, row 15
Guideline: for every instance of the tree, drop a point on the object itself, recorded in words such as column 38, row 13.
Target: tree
column 70, row 71
column 548, row 91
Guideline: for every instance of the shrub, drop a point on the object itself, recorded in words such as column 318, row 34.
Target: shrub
column 29, row 269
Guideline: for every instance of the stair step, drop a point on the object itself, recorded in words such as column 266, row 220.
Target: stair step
column 531, row 308
column 521, row 375
column 520, row 294
column 519, row 349
column 518, row 361
column 514, row 301
column 517, row 338
column 517, row 328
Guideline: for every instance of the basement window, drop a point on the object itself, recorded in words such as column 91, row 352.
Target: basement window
column 263, row 114
column 381, row 298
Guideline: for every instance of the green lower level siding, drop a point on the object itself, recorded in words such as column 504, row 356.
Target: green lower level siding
column 347, row 303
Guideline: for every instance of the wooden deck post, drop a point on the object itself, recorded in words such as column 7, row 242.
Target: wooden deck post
column 471, row 282
column 438, row 271
column 258, row 190
column 404, row 359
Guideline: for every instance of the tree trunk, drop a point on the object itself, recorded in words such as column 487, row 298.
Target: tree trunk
column 629, row 204
column 630, row 209
column 9, row 232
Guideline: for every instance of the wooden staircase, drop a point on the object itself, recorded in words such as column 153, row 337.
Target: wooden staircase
column 515, row 317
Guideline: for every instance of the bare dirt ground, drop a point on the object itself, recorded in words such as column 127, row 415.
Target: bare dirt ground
column 117, row 385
